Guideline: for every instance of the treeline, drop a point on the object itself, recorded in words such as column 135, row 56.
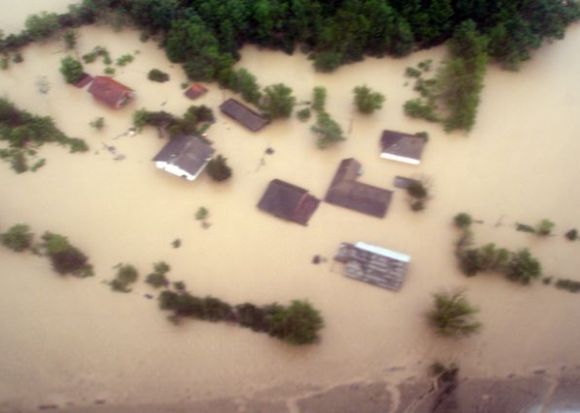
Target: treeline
column 24, row 133
column 207, row 35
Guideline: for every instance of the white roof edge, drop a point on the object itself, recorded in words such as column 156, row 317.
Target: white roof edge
column 404, row 159
column 399, row 256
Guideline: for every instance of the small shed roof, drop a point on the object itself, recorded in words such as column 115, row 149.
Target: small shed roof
column 244, row 115
column 196, row 90
column 288, row 201
column 347, row 192
column 109, row 91
column 187, row 152
column 402, row 147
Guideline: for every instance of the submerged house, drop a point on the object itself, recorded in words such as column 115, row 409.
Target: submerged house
column 184, row 156
column 110, row 92
column 374, row 265
column 402, row 147
column 288, row 202
column 346, row 191
column 196, row 90
column 244, row 115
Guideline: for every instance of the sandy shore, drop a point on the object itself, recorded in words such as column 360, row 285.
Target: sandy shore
column 73, row 341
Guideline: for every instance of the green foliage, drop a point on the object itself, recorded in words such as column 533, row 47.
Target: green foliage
column 328, row 131
column 98, row 123
column 412, row 72
column 303, row 114
column 243, row 82
column 202, row 214
column 327, row 61
column 298, row 323
column 70, row 39
column 98, row 52
column 544, row 228
column 66, row 258
column 568, row 285
column 4, row 63
column 157, row 75
column 41, row 26
column 319, row 99
column 366, row 100
column 18, row 58
column 110, row 71
column 126, row 275
column 418, row 108
column 572, row 235
column 25, row 133
column 71, row 69
column 462, row 220
column 423, row 135
column 460, row 79
column 277, row 101
column 18, row 238
column 452, row 315
column 218, row 169
column 125, row 60
column 523, row 267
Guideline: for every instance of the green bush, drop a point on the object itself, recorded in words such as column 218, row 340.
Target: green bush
column 298, row 323
column 98, row 123
column 303, row 114
column 572, row 235
column 327, row 61
column 18, row 238
column 218, row 169
column 523, row 267
column 366, row 100
column 319, row 99
column 462, row 220
column 328, row 131
column 71, row 69
column 126, row 275
column 66, row 258
column 544, row 228
column 417, row 108
column 156, row 75
column 125, row 60
column 452, row 315
column 277, row 101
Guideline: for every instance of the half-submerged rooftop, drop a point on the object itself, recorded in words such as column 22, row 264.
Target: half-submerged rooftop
column 195, row 91
column 402, row 147
column 110, row 92
column 244, row 115
column 346, row 191
column 184, row 156
column 288, row 202
column 374, row 265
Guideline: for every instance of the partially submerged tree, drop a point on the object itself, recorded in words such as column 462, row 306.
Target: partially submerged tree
column 218, row 169
column 366, row 100
column 71, row 69
column 277, row 101
column 523, row 267
column 126, row 275
column 544, row 228
column 297, row 324
column 319, row 99
column 452, row 315
column 66, row 258
column 328, row 131
column 18, row 238
column 462, row 220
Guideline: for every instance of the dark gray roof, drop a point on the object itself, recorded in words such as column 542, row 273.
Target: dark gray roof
column 288, row 201
column 402, row 144
column 244, row 115
column 189, row 153
column 347, row 192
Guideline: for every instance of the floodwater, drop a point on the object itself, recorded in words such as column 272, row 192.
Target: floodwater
column 74, row 341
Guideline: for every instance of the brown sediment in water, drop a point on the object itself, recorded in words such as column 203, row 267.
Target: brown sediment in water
column 73, row 340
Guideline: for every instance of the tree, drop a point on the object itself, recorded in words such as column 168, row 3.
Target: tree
column 157, row 75
column 297, row 324
column 126, row 275
column 66, row 258
column 328, row 131
column 158, row 278
column 277, row 101
column 318, row 99
column 366, row 100
column 218, row 169
column 544, row 228
column 41, row 26
column 327, row 61
column 523, row 267
column 462, row 220
column 71, row 69
column 98, row 123
column 452, row 315
column 18, row 238
column 70, row 39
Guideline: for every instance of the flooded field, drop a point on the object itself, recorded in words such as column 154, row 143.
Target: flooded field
column 74, row 341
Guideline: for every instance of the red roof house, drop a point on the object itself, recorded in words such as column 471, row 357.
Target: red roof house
column 110, row 92
column 196, row 90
